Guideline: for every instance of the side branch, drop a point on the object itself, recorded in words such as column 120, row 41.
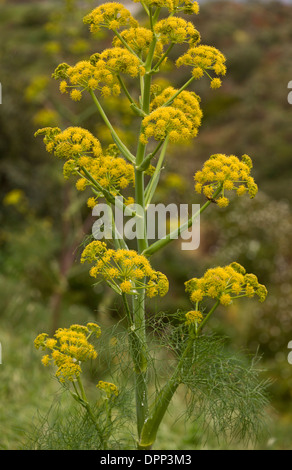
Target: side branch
column 176, row 233
column 122, row 147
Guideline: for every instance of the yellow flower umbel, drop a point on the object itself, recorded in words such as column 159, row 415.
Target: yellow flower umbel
column 225, row 284
column 100, row 73
column 68, row 348
column 139, row 40
column 110, row 15
column 86, row 75
column 188, row 102
column 193, row 317
column 176, row 30
column 226, row 172
column 112, row 173
column 118, row 60
column 71, row 143
column 84, row 153
column 185, row 6
column 124, row 270
column 168, row 122
column 110, row 389
column 189, row 7
column 203, row 59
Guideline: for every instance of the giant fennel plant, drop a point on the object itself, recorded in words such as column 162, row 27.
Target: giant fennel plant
column 227, row 392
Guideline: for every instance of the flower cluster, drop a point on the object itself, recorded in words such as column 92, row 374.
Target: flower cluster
column 68, row 348
column 124, row 270
column 112, row 173
column 109, row 388
column 190, row 7
column 176, row 30
column 98, row 73
column 168, row 122
column 111, row 15
column 229, row 173
column 224, row 284
column 184, row 6
column 86, row 75
column 118, row 60
column 71, row 143
column 139, row 40
column 203, row 58
column 193, row 317
column 83, row 153
column 188, row 102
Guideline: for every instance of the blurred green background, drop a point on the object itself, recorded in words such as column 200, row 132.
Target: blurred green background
column 43, row 219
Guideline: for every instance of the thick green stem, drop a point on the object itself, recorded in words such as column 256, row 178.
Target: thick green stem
column 139, row 309
column 137, row 331
column 138, row 349
column 139, row 337
column 139, row 176
column 163, row 399
column 150, row 428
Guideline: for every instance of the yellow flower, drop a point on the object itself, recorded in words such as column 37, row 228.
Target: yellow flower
column 51, row 343
column 139, row 40
column 222, row 201
column 225, row 299
column 91, row 202
column 63, row 86
column 184, row 6
column 203, row 58
column 68, row 349
column 71, row 143
column 46, row 360
column 228, row 172
column 119, row 60
column 124, row 270
column 76, row 95
column 86, row 75
column 39, row 342
column 224, row 284
column 84, row 153
column 161, row 123
column 197, row 295
column 81, row 184
column 176, row 30
column 215, row 83
column 187, row 102
column 109, row 388
column 190, row 7
column 126, row 286
column 110, row 15
column 193, row 317
column 94, row 328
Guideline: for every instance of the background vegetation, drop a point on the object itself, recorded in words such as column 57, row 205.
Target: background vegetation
column 43, row 220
